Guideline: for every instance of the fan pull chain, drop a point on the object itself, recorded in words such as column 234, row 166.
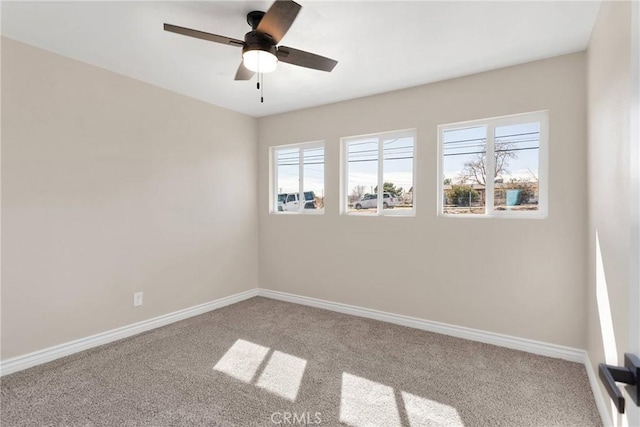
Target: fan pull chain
column 260, row 86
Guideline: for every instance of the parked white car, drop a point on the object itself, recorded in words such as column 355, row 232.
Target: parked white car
column 289, row 202
column 370, row 201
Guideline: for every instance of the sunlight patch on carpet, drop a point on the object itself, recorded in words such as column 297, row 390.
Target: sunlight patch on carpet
column 283, row 375
column 425, row 412
column 242, row 360
column 366, row 403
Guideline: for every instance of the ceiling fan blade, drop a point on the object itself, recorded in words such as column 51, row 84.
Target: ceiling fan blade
column 202, row 35
column 278, row 19
column 243, row 73
column 305, row 59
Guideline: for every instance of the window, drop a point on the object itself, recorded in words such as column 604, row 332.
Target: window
column 494, row 167
column 384, row 161
column 298, row 178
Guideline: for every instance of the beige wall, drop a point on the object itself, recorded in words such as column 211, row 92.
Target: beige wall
column 519, row 277
column 112, row 186
column 609, row 101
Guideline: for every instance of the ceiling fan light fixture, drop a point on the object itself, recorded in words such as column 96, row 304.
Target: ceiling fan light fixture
column 261, row 51
column 259, row 61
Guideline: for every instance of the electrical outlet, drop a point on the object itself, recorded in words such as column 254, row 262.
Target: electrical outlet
column 137, row 299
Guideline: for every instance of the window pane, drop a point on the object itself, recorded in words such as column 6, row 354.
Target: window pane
column 313, row 182
column 288, row 184
column 398, row 174
column 362, row 172
column 517, row 150
column 463, row 166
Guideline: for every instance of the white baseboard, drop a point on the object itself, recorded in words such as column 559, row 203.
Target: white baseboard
column 601, row 400
column 531, row 346
column 25, row 361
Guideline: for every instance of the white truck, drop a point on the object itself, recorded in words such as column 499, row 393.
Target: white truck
column 289, row 202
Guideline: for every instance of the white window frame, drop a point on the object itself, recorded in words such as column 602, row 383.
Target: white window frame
column 273, row 196
column 491, row 124
column 344, row 172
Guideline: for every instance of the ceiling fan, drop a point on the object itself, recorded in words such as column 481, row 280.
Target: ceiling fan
column 260, row 53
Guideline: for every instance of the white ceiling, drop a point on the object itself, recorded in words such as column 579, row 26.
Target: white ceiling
column 380, row 46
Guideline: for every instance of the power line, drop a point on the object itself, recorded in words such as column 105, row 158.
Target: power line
column 375, row 160
column 496, row 151
column 350, row 153
column 484, row 137
column 297, row 157
column 516, row 149
column 350, row 144
column 298, row 164
column 451, row 151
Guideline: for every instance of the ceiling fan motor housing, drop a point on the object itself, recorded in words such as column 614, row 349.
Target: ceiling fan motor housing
column 254, row 40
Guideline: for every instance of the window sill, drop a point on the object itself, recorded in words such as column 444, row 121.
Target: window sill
column 496, row 216
column 310, row 212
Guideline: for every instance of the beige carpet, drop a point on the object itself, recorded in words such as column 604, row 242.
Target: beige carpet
column 267, row 363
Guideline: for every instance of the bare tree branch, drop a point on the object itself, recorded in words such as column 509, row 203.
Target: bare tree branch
column 476, row 169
